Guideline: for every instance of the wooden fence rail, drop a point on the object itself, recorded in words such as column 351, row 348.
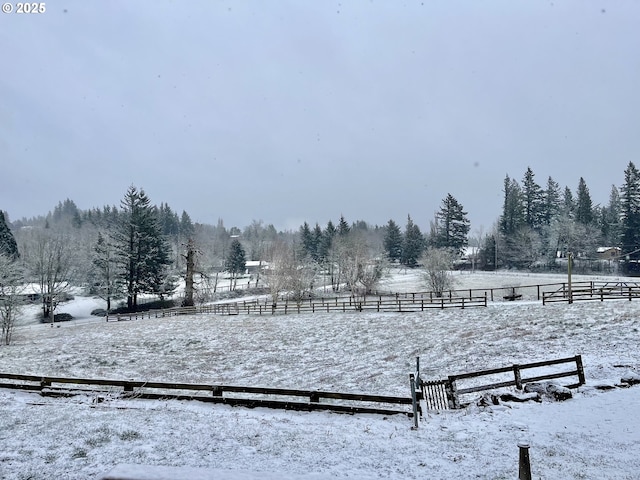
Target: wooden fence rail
column 311, row 306
column 250, row 396
column 593, row 291
column 406, row 302
column 445, row 394
column 533, row 291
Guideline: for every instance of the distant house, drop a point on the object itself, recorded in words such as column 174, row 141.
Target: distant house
column 254, row 266
column 609, row 253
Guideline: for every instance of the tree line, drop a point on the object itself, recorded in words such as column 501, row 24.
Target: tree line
column 539, row 225
column 139, row 248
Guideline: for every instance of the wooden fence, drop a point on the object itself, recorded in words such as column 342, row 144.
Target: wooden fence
column 408, row 302
column 494, row 294
column 593, row 291
column 289, row 399
column 445, row 394
column 322, row 305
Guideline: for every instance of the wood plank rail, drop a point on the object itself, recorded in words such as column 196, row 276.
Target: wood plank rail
column 440, row 394
column 262, row 396
column 593, row 291
column 400, row 302
column 532, row 291
column 378, row 304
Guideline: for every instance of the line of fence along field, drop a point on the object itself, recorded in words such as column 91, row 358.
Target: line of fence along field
column 406, row 302
column 585, row 291
column 248, row 396
column 495, row 294
column 394, row 303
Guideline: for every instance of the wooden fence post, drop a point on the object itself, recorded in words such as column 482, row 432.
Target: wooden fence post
column 580, row 369
column 524, row 465
column 452, row 393
column 518, row 378
column 412, row 382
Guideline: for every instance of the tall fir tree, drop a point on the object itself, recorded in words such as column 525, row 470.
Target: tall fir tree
column 343, row 227
column 308, row 246
column 584, row 205
column 236, row 261
column 317, row 243
column 327, row 241
column 141, row 251
column 532, row 200
column 412, row 245
column 630, row 206
column 186, row 226
column 610, row 225
column 393, row 241
column 552, row 201
column 452, row 225
column 512, row 211
column 568, row 208
column 8, row 245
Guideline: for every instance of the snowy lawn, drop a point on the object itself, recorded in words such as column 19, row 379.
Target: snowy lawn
column 594, row 435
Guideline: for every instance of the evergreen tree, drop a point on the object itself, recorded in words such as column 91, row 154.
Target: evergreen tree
column 317, row 241
column 393, row 241
column 487, row 253
column 141, row 251
column 8, row 245
column 452, row 225
column 568, row 208
column 610, row 218
column 324, row 246
column 168, row 220
column 413, row 244
column 236, row 260
column 630, row 204
column 343, row 227
column 532, row 200
column 584, row 207
column 307, row 241
column 551, row 205
column 512, row 212
column 186, row 226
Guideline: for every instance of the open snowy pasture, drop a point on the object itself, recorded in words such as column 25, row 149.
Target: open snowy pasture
column 594, row 435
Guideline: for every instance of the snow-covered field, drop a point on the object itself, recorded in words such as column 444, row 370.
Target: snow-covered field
column 594, row 435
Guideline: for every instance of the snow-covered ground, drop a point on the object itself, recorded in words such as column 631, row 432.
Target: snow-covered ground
column 594, row 435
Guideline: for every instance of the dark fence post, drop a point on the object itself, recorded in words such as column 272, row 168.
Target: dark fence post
column 414, row 400
column 580, row 369
column 518, row 378
column 524, row 466
column 452, row 393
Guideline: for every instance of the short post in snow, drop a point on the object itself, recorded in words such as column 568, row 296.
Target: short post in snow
column 524, row 467
column 412, row 382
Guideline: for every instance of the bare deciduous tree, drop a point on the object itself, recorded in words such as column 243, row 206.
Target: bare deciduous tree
column 437, row 263
column 11, row 287
column 50, row 260
column 356, row 265
column 285, row 274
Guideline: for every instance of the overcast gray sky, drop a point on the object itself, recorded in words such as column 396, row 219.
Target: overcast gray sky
column 287, row 111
